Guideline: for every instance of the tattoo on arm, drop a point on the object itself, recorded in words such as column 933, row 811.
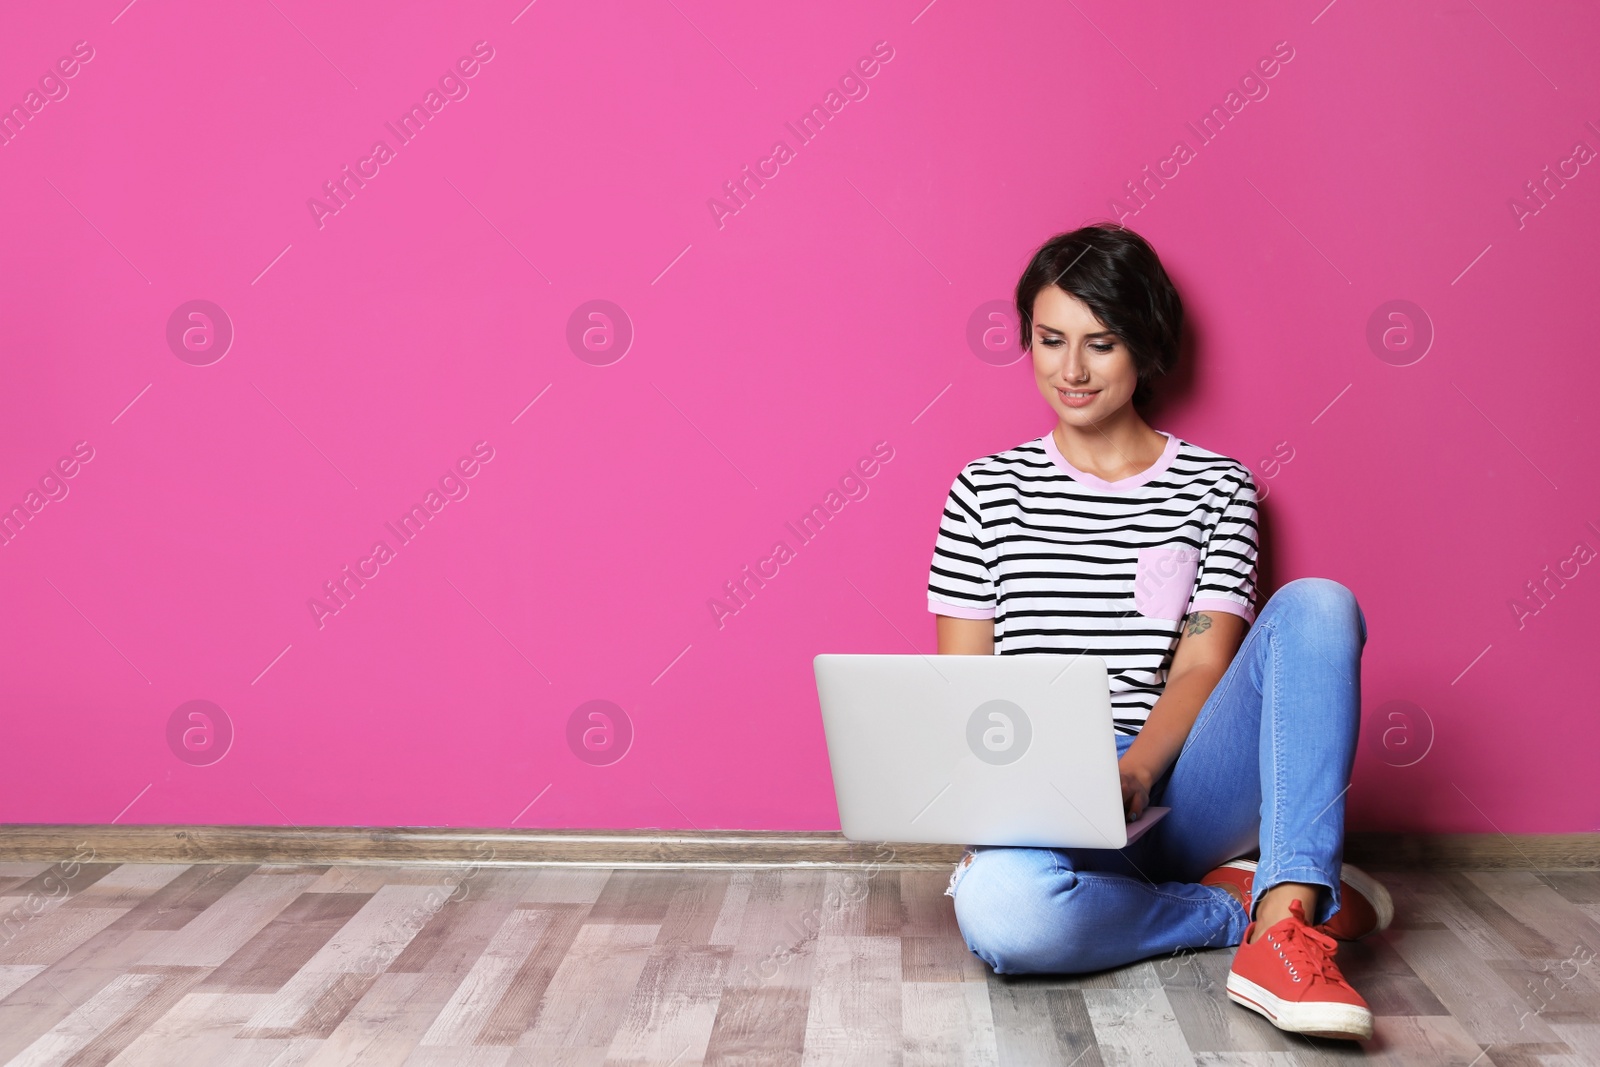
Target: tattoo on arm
column 1197, row 622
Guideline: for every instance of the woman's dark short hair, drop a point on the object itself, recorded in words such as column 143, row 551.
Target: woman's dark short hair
column 1118, row 275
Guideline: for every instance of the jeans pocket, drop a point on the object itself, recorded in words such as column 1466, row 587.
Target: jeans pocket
column 1164, row 581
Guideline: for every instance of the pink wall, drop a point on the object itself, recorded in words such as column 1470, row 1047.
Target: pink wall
column 613, row 493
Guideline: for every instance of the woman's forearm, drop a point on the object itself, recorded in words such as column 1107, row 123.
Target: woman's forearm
column 1168, row 724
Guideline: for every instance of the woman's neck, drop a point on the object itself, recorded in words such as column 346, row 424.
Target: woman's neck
column 1111, row 452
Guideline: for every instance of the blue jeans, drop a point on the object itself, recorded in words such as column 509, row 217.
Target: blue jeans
column 1266, row 765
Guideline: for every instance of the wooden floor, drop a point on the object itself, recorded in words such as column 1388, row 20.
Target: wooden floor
column 281, row 965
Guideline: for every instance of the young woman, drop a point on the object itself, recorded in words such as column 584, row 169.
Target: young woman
column 1106, row 537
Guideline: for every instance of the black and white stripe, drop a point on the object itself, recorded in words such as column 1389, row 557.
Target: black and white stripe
column 1054, row 560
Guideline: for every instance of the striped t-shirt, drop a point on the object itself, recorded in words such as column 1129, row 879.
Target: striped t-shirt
column 1064, row 561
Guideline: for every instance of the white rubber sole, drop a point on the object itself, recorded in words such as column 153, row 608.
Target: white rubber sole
column 1341, row 1021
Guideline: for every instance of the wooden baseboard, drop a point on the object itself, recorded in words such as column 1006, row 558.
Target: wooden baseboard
column 455, row 846
column 1476, row 852
column 667, row 849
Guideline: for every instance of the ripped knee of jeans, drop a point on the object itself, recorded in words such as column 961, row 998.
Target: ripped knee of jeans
column 957, row 874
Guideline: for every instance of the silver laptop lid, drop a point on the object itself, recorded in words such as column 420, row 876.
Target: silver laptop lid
column 980, row 750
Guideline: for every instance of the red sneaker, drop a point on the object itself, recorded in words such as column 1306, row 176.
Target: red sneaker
column 1236, row 873
column 1290, row 977
column 1365, row 907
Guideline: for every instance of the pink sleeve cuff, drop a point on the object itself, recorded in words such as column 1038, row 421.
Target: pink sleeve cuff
column 1232, row 607
column 958, row 611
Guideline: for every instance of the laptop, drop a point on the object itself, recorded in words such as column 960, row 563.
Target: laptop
column 975, row 750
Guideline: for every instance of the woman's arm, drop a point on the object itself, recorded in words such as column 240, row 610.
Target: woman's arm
column 1208, row 644
column 1210, row 640
column 965, row 637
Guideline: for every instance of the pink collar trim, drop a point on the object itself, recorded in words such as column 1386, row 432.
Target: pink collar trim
column 1133, row 481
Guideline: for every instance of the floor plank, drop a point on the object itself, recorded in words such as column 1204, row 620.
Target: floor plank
column 519, row 1003
column 1137, row 1028
column 1490, row 1010
column 58, row 1044
column 236, row 917
column 758, row 1025
column 945, row 1023
column 277, row 952
column 589, row 992
column 855, row 1015
column 108, row 1044
column 1041, row 1022
column 482, row 988
column 386, row 1025
column 198, row 1029
column 673, row 1008
column 314, row 1001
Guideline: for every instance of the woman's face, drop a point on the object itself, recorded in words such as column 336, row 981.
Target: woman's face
column 1074, row 353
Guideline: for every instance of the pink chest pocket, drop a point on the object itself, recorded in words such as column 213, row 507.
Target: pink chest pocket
column 1164, row 581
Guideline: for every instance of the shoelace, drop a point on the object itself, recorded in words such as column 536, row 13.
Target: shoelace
column 1306, row 951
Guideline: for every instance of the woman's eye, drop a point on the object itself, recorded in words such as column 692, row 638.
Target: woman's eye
column 1097, row 346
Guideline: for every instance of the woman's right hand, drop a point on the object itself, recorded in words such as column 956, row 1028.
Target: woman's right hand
column 1135, row 790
